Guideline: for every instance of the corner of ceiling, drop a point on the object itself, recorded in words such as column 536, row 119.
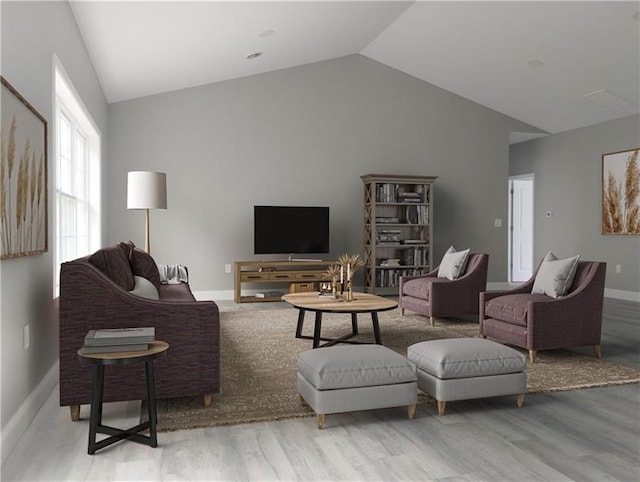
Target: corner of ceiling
column 517, row 137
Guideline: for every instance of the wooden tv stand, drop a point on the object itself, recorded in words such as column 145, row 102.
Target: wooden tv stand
column 299, row 275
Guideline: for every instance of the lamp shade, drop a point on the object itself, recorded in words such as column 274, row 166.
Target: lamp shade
column 146, row 190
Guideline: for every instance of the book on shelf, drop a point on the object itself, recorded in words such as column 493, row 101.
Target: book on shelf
column 86, row 350
column 388, row 237
column 390, row 278
column 120, row 336
column 390, row 262
column 409, row 257
column 387, row 193
column 410, row 197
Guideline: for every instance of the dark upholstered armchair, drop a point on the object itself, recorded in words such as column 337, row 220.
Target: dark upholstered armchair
column 434, row 297
column 539, row 322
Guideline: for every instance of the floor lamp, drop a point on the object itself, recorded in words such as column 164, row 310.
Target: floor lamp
column 146, row 190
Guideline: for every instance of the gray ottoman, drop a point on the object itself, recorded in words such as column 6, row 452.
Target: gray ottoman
column 465, row 368
column 357, row 377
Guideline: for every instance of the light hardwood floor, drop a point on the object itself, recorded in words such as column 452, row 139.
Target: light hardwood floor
column 581, row 435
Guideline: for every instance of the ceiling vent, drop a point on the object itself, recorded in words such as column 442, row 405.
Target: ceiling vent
column 607, row 99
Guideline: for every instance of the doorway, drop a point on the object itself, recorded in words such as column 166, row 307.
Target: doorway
column 520, row 227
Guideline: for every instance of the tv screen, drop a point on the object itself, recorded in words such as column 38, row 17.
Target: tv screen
column 291, row 229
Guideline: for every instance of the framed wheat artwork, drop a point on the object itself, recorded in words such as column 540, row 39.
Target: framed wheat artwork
column 621, row 192
column 23, row 176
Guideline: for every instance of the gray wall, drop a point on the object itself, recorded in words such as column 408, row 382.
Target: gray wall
column 31, row 33
column 305, row 135
column 568, row 174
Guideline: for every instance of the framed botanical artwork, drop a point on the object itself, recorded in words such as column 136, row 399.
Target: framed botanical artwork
column 621, row 192
column 23, row 176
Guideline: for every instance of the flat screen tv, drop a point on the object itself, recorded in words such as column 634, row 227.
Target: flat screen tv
column 291, row 229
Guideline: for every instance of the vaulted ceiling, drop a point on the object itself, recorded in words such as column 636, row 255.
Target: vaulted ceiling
column 554, row 65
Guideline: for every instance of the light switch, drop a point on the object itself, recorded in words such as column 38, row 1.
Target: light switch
column 497, row 223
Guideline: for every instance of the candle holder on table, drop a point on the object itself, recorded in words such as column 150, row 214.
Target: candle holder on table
column 349, row 264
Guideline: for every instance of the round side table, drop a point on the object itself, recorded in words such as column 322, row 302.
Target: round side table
column 98, row 361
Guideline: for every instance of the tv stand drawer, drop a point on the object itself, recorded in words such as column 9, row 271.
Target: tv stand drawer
column 282, row 276
column 255, row 276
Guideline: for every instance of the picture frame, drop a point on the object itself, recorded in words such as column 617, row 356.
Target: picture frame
column 24, row 223
column 621, row 192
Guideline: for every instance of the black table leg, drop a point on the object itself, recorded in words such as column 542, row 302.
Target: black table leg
column 317, row 328
column 95, row 418
column 376, row 327
column 354, row 324
column 116, row 434
column 151, row 402
column 300, row 323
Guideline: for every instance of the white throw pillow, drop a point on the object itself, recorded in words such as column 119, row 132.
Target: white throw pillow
column 144, row 288
column 453, row 263
column 555, row 275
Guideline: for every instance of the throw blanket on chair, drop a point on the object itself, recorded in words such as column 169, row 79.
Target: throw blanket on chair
column 173, row 274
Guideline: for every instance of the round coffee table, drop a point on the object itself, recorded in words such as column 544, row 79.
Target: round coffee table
column 361, row 303
column 98, row 362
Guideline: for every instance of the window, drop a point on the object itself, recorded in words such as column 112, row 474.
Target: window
column 77, row 194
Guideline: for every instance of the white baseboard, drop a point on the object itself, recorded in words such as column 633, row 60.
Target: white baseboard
column 213, row 295
column 622, row 294
column 228, row 294
column 493, row 286
column 15, row 428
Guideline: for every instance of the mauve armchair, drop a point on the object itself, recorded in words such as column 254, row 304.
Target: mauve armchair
column 440, row 297
column 539, row 322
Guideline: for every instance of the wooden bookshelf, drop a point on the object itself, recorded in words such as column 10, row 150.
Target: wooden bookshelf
column 398, row 229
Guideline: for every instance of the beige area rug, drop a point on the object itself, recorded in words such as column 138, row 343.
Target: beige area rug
column 259, row 355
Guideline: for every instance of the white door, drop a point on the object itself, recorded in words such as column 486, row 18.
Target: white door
column 521, row 228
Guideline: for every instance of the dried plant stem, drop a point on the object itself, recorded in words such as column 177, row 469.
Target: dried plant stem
column 622, row 215
column 3, row 194
column 333, row 272
column 33, row 179
column 7, row 166
column 22, row 197
column 611, row 200
column 631, row 213
column 40, row 197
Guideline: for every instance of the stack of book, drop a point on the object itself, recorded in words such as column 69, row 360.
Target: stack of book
column 118, row 340
column 390, row 262
column 388, row 236
column 409, row 197
column 387, row 219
